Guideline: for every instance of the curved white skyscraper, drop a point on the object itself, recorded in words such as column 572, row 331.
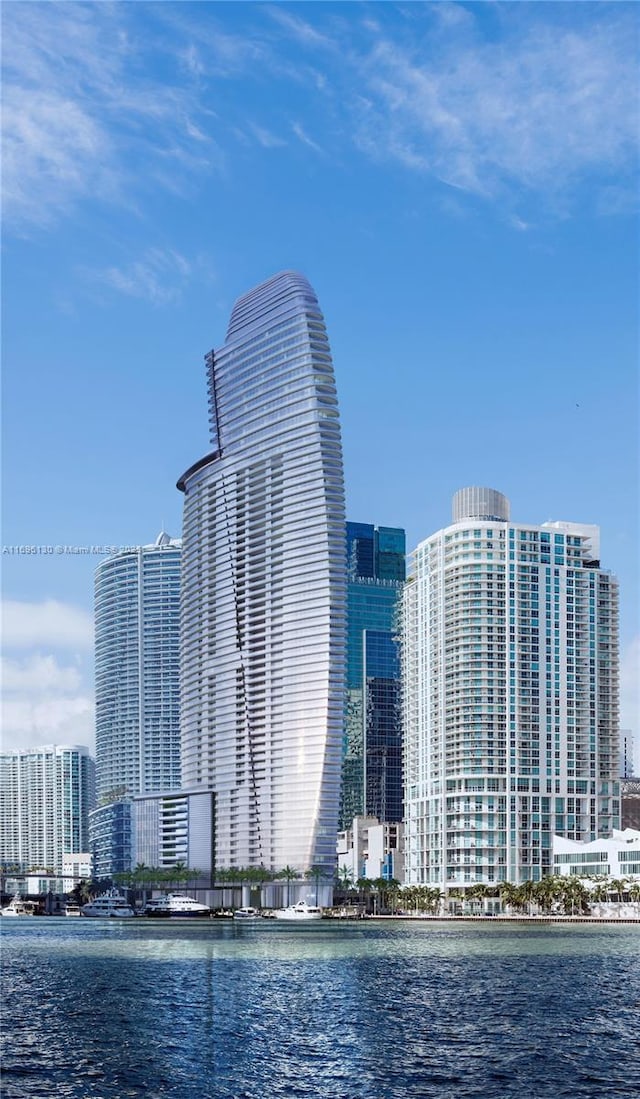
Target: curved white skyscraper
column 263, row 597
column 137, row 624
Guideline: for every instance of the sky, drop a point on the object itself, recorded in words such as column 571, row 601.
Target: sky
column 458, row 182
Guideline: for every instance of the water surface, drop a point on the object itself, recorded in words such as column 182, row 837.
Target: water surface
column 367, row 1010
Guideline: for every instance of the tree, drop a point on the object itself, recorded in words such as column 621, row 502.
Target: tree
column 477, row 892
column 510, row 895
column 289, row 873
column 315, row 874
column 345, row 880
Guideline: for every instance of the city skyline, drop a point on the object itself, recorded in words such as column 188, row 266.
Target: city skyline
column 457, row 181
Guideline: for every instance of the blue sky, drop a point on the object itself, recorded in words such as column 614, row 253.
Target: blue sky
column 457, row 181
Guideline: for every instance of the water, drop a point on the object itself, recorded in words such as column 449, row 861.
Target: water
column 370, row 1010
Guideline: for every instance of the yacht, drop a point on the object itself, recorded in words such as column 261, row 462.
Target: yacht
column 299, row 911
column 175, row 904
column 247, row 913
column 110, row 903
column 72, row 910
column 18, row 907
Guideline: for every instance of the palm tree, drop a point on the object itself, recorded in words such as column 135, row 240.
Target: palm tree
column 527, row 892
column 289, row 873
column 634, row 893
column 618, row 886
column 345, row 880
column 477, row 892
column 509, row 894
column 315, row 874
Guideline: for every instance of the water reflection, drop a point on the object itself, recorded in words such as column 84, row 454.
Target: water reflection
column 365, row 1011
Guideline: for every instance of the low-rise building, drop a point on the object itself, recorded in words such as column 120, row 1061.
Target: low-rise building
column 371, row 849
column 616, row 857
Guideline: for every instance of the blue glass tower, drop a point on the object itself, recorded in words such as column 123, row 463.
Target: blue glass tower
column 372, row 759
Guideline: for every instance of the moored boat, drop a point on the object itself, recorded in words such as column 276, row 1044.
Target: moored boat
column 299, row 911
column 18, row 907
column 175, row 904
column 109, row 904
column 247, row 913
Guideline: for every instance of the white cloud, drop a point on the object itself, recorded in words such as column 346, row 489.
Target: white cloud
column 304, row 138
column 536, row 111
column 110, row 101
column 46, row 698
column 83, row 117
column 266, row 138
column 28, row 722
column 46, row 624
column 159, row 276
column 39, row 674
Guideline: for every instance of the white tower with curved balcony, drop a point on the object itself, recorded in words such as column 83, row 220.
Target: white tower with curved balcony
column 511, row 696
column 263, row 595
column 137, row 669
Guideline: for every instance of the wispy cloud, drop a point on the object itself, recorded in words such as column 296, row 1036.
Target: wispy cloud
column 83, row 114
column 265, row 138
column 116, row 101
column 159, row 277
column 536, row 112
column 305, row 139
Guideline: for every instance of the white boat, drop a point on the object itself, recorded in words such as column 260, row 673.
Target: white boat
column 18, row 907
column 247, row 913
column 109, row 904
column 299, row 911
column 175, row 904
column 72, row 910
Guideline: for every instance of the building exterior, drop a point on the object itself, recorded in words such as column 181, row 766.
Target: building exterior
column 45, row 797
column 628, row 754
column 263, row 596
column 111, row 833
column 511, row 696
column 137, row 669
column 372, row 762
column 371, row 849
column 137, row 675
column 617, row 856
column 175, row 826
column 630, row 802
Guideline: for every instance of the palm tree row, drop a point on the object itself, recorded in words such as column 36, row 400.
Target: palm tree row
column 569, row 895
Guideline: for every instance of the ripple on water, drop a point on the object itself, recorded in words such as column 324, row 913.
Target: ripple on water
column 367, row 1011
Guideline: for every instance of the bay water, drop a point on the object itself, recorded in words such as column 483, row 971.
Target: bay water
column 222, row 1009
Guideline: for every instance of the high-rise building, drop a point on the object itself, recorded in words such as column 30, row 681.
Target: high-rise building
column 263, row 598
column 137, row 670
column 372, row 763
column 628, row 754
column 45, row 797
column 511, row 696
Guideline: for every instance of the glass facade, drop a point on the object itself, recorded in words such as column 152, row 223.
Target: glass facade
column 372, row 744
column 510, row 696
column 46, row 795
column 111, row 839
column 263, row 590
column 137, row 670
